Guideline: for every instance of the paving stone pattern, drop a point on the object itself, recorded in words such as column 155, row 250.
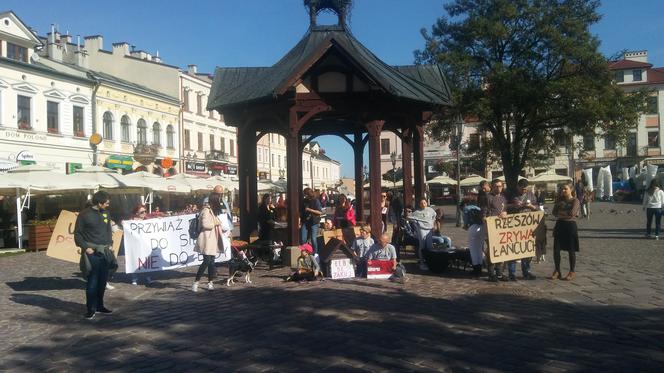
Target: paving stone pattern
column 609, row 319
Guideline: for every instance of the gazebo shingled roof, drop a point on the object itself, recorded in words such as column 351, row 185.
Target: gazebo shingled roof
column 289, row 98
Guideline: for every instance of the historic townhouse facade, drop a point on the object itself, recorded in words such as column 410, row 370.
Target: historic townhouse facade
column 209, row 147
column 45, row 109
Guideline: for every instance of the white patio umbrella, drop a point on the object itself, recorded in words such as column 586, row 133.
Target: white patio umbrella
column 265, row 186
column 147, row 180
column 99, row 176
column 442, row 180
column 194, row 182
column 225, row 182
column 472, row 180
column 549, row 176
column 502, row 178
column 38, row 178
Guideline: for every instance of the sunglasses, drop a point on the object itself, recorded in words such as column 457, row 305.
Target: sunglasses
column 143, row 212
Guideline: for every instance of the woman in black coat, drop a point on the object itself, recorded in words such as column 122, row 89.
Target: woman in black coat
column 265, row 218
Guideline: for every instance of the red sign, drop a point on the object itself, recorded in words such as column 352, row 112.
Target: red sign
column 379, row 269
column 167, row 162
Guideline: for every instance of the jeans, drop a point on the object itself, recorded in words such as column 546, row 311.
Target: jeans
column 208, row 263
column 307, row 231
column 525, row 267
column 94, row 292
column 657, row 212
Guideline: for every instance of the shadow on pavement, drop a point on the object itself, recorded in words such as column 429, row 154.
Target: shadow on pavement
column 309, row 328
column 47, row 283
column 49, row 304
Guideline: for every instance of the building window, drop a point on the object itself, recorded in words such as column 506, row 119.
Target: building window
column 272, row 162
column 125, row 126
column 637, row 75
column 231, row 145
column 223, row 145
column 653, row 139
column 156, row 134
column 609, row 143
column 185, row 99
column 200, row 141
column 142, row 132
column 79, row 126
column 279, row 160
column 589, row 142
column 16, row 52
column 170, row 136
column 384, row 146
column 23, row 113
column 187, row 139
column 108, row 125
column 199, row 104
column 211, row 142
column 620, row 76
column 474, row 142
column 52, row 111
column 651, row 105
column 259, row 154
column 560, row 138
column 211, row 114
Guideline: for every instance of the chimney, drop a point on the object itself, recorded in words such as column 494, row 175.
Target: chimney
column 53, row 49
column 156, row 58
column 192, row 69
column 121, row 48
column 67, row 38
column 94, row 43
column 638, row 56
column 80, row 55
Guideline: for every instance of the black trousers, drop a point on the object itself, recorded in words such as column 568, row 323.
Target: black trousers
column 208, row 263
column 94, row 292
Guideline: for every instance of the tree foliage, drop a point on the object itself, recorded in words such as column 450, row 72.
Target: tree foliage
column 524, row 69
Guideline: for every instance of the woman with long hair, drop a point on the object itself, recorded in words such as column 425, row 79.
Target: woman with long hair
column 207, row 243
column 565, row 234
column 266, row 216
column 653, row 199
column 344, row 215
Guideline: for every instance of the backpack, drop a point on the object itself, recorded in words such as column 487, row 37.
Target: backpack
column 195, row 227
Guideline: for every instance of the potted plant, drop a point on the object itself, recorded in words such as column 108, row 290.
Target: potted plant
column 39, row 233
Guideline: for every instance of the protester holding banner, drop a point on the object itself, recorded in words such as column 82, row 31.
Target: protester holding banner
column 494, row 204
column 209, row 239
column 565, row 234
column 360, row 248
column 383, row 250
column 140, row 213
column 92, row 234
column 523, row 200
column 425, row 217
column 266, row 218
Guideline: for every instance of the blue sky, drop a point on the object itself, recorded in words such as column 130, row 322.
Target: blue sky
column 258, row 32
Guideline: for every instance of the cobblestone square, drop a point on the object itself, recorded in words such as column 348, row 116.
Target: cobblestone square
column 609, row 319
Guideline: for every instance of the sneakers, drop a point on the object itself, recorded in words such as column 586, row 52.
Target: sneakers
column 502, row 277
column 109, row 286
column 134, row 282
column 90, row 315
column 656, row 237
column 529, row 276
column 194, row 287
column 424, row 266
column 210, row 286
column 104, row 310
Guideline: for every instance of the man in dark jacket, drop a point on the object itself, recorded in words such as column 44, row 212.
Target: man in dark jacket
column 494, row 205
column 93, row 236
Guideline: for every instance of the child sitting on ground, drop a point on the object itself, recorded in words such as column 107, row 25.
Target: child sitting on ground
column 307, row 267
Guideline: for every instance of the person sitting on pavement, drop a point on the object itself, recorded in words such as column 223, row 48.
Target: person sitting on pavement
column 360, row 248
column 383, row 250
column 307, row 266
column 523, row 200
column 425, row 216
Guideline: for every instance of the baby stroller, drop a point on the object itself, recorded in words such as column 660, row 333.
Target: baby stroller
column 406, row 235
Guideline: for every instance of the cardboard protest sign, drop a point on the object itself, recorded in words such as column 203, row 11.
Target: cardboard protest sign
column 62, row 246
column 379, row 269
column 341, row 268
column 161, row 244
column 513, row 237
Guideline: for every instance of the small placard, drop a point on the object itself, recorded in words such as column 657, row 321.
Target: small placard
column 341, row 268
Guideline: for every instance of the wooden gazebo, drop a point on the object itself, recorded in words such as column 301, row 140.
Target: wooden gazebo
column 328, row 84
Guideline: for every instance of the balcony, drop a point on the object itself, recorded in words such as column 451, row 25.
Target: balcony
column 216, row 156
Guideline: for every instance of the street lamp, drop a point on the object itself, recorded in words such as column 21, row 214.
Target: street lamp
column 393, row 158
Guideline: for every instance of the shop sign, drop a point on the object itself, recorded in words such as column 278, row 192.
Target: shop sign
column 217, row 167
column 25, row 155
column 195, row 166
column 72, row 167
column 232, row 170
column 22, row 136
column 124, row 162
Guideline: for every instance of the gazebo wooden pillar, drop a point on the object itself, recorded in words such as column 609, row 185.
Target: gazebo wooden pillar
column 246, row 137
column 294, row 162
column 406, row 160
column 374, row 128
column 358, row 151
column 418, row 155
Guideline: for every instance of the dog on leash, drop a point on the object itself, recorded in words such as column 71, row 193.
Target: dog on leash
column 241, row 265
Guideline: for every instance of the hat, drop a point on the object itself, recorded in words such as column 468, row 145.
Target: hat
column 306, row 247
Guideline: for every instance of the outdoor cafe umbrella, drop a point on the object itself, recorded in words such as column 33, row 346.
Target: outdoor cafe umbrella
column 143, row 179
column 100, row 177
column 442, row 180
column 265, row 186
column 549, row 177
column 194, row 182
column 225, row 182
column 472, row 180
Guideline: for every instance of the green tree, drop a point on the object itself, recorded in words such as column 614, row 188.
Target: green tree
column 525, row 69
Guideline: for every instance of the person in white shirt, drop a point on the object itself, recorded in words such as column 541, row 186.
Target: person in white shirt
column 225, row 221
column 653, row 200
column 425, row 216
